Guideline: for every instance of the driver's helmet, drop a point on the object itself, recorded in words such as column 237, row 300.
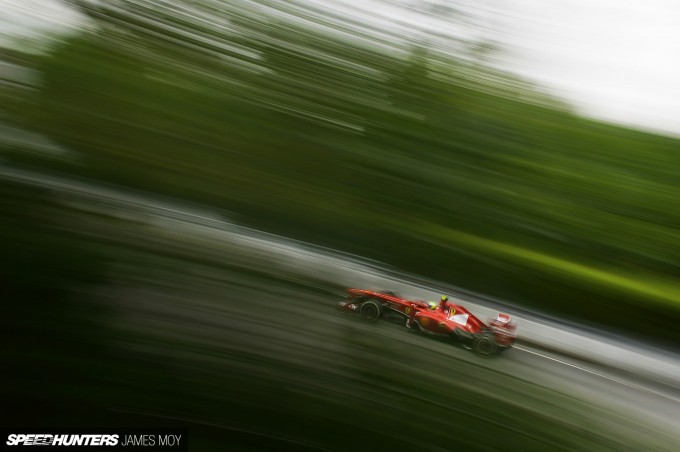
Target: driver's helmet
column 432, row 305
column 443, row 301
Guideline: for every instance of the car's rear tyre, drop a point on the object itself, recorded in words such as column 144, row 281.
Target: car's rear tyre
column 485, row 345
column 370, row 310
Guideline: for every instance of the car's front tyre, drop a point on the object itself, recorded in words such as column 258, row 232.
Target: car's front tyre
column 370, row 310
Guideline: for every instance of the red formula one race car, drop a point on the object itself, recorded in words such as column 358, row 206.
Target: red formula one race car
column 443, row 319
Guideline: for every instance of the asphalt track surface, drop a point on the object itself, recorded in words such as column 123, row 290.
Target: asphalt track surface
column 629, row 393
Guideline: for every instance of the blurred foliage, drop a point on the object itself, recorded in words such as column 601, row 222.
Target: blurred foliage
column 304, row 123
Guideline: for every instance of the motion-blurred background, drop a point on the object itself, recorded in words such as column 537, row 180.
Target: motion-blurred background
column 137, row 136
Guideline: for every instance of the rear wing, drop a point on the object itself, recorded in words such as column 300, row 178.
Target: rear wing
column 503, row 318
column 504, row 325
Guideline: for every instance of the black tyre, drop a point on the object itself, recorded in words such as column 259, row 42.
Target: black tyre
column 370, row 310
column 485, row 345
